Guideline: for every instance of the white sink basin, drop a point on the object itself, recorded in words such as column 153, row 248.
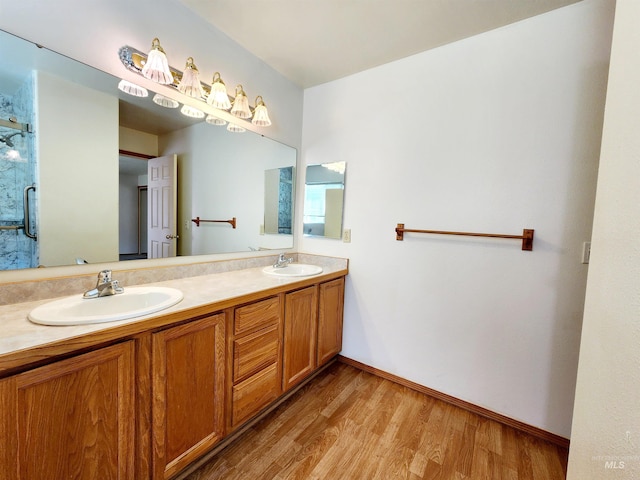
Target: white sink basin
column 134, row 302
column 294, row 270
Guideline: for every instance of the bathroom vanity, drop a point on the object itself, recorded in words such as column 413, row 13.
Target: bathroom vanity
column 147, row 397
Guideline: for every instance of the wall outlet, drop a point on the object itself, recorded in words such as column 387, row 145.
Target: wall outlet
column 346, row 235
column 586, row 252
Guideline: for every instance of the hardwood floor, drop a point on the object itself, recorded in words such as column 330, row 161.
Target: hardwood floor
column 347, row 424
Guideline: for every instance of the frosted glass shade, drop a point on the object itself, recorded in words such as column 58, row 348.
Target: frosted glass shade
column 260, row 114
column 218, row 97
column 215, row 120
column 236, row 128
column 190, row 82
column 240, row 106
column 189, row 111
column 132, row 89
column 156, row 67
column 165, row 101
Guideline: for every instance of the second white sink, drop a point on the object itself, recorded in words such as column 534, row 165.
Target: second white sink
column 294, row 270
column 134, row 302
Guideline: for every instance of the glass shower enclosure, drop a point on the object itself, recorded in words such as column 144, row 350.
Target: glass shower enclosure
column 18, row 237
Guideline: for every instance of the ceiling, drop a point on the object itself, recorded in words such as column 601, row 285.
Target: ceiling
column 316, row 41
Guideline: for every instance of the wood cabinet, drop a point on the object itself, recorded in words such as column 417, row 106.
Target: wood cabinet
column 330, row 316
column 312, row 329
column 300, row 335
column 188, row 365
column 257, row 353
column 71, row 419
column 163, row 396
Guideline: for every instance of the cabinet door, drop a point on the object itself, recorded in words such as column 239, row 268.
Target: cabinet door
column 330, row 312
column 300, row 335
column 188, row 393
column 71, row 419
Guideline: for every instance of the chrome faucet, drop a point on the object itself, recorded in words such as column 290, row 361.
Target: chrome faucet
column 282, row 261
column 105, row 286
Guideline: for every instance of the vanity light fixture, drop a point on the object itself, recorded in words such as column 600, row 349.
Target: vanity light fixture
column 165, row 101
column 218, row 97
column 232, row 127
column 190, row 81
column 156, row 67
column 213, row 120
column 215, row 95
column 192, row 112
column 260, row 114
column 132, row 89
column 240, row 106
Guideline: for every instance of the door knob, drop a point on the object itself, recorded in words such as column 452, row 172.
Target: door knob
column 169, row 237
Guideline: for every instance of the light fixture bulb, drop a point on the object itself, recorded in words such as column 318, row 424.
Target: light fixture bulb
column 189, row 111
column 260, row 114
column 165, row 102
column 232, row 127
column 132, row 89
column 13, row 155
column 240, row 106
column 190, row 82
column 218, row 97
column 156, row 67
column 213, row 120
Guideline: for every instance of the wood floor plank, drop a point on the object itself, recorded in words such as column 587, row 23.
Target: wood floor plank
column 347, row 424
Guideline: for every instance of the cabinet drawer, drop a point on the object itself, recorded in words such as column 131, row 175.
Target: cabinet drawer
column 255, row 393
column 254, row 352
column 257, row 315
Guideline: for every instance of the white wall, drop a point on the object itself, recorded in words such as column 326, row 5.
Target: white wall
column 606, row 426
column 78, row 154
column 93, row 32
column 221, row 176
column 138, row 142
column 494, row 133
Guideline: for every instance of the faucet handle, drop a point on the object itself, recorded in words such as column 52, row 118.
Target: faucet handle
column 104, row 276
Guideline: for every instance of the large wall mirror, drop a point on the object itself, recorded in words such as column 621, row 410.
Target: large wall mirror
column 88, row 195
column 324, row 200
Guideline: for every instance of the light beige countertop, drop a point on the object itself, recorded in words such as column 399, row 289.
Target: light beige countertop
column 25, row 343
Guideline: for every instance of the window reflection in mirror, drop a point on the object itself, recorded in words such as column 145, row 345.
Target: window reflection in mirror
column 324, row 199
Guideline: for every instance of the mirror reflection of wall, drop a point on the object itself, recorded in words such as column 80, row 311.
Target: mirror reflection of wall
column 324, row 199
column 80, row 120
column 221, row 176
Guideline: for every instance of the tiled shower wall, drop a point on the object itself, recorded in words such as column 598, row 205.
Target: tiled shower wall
column 285, row 201
column 16, row 249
